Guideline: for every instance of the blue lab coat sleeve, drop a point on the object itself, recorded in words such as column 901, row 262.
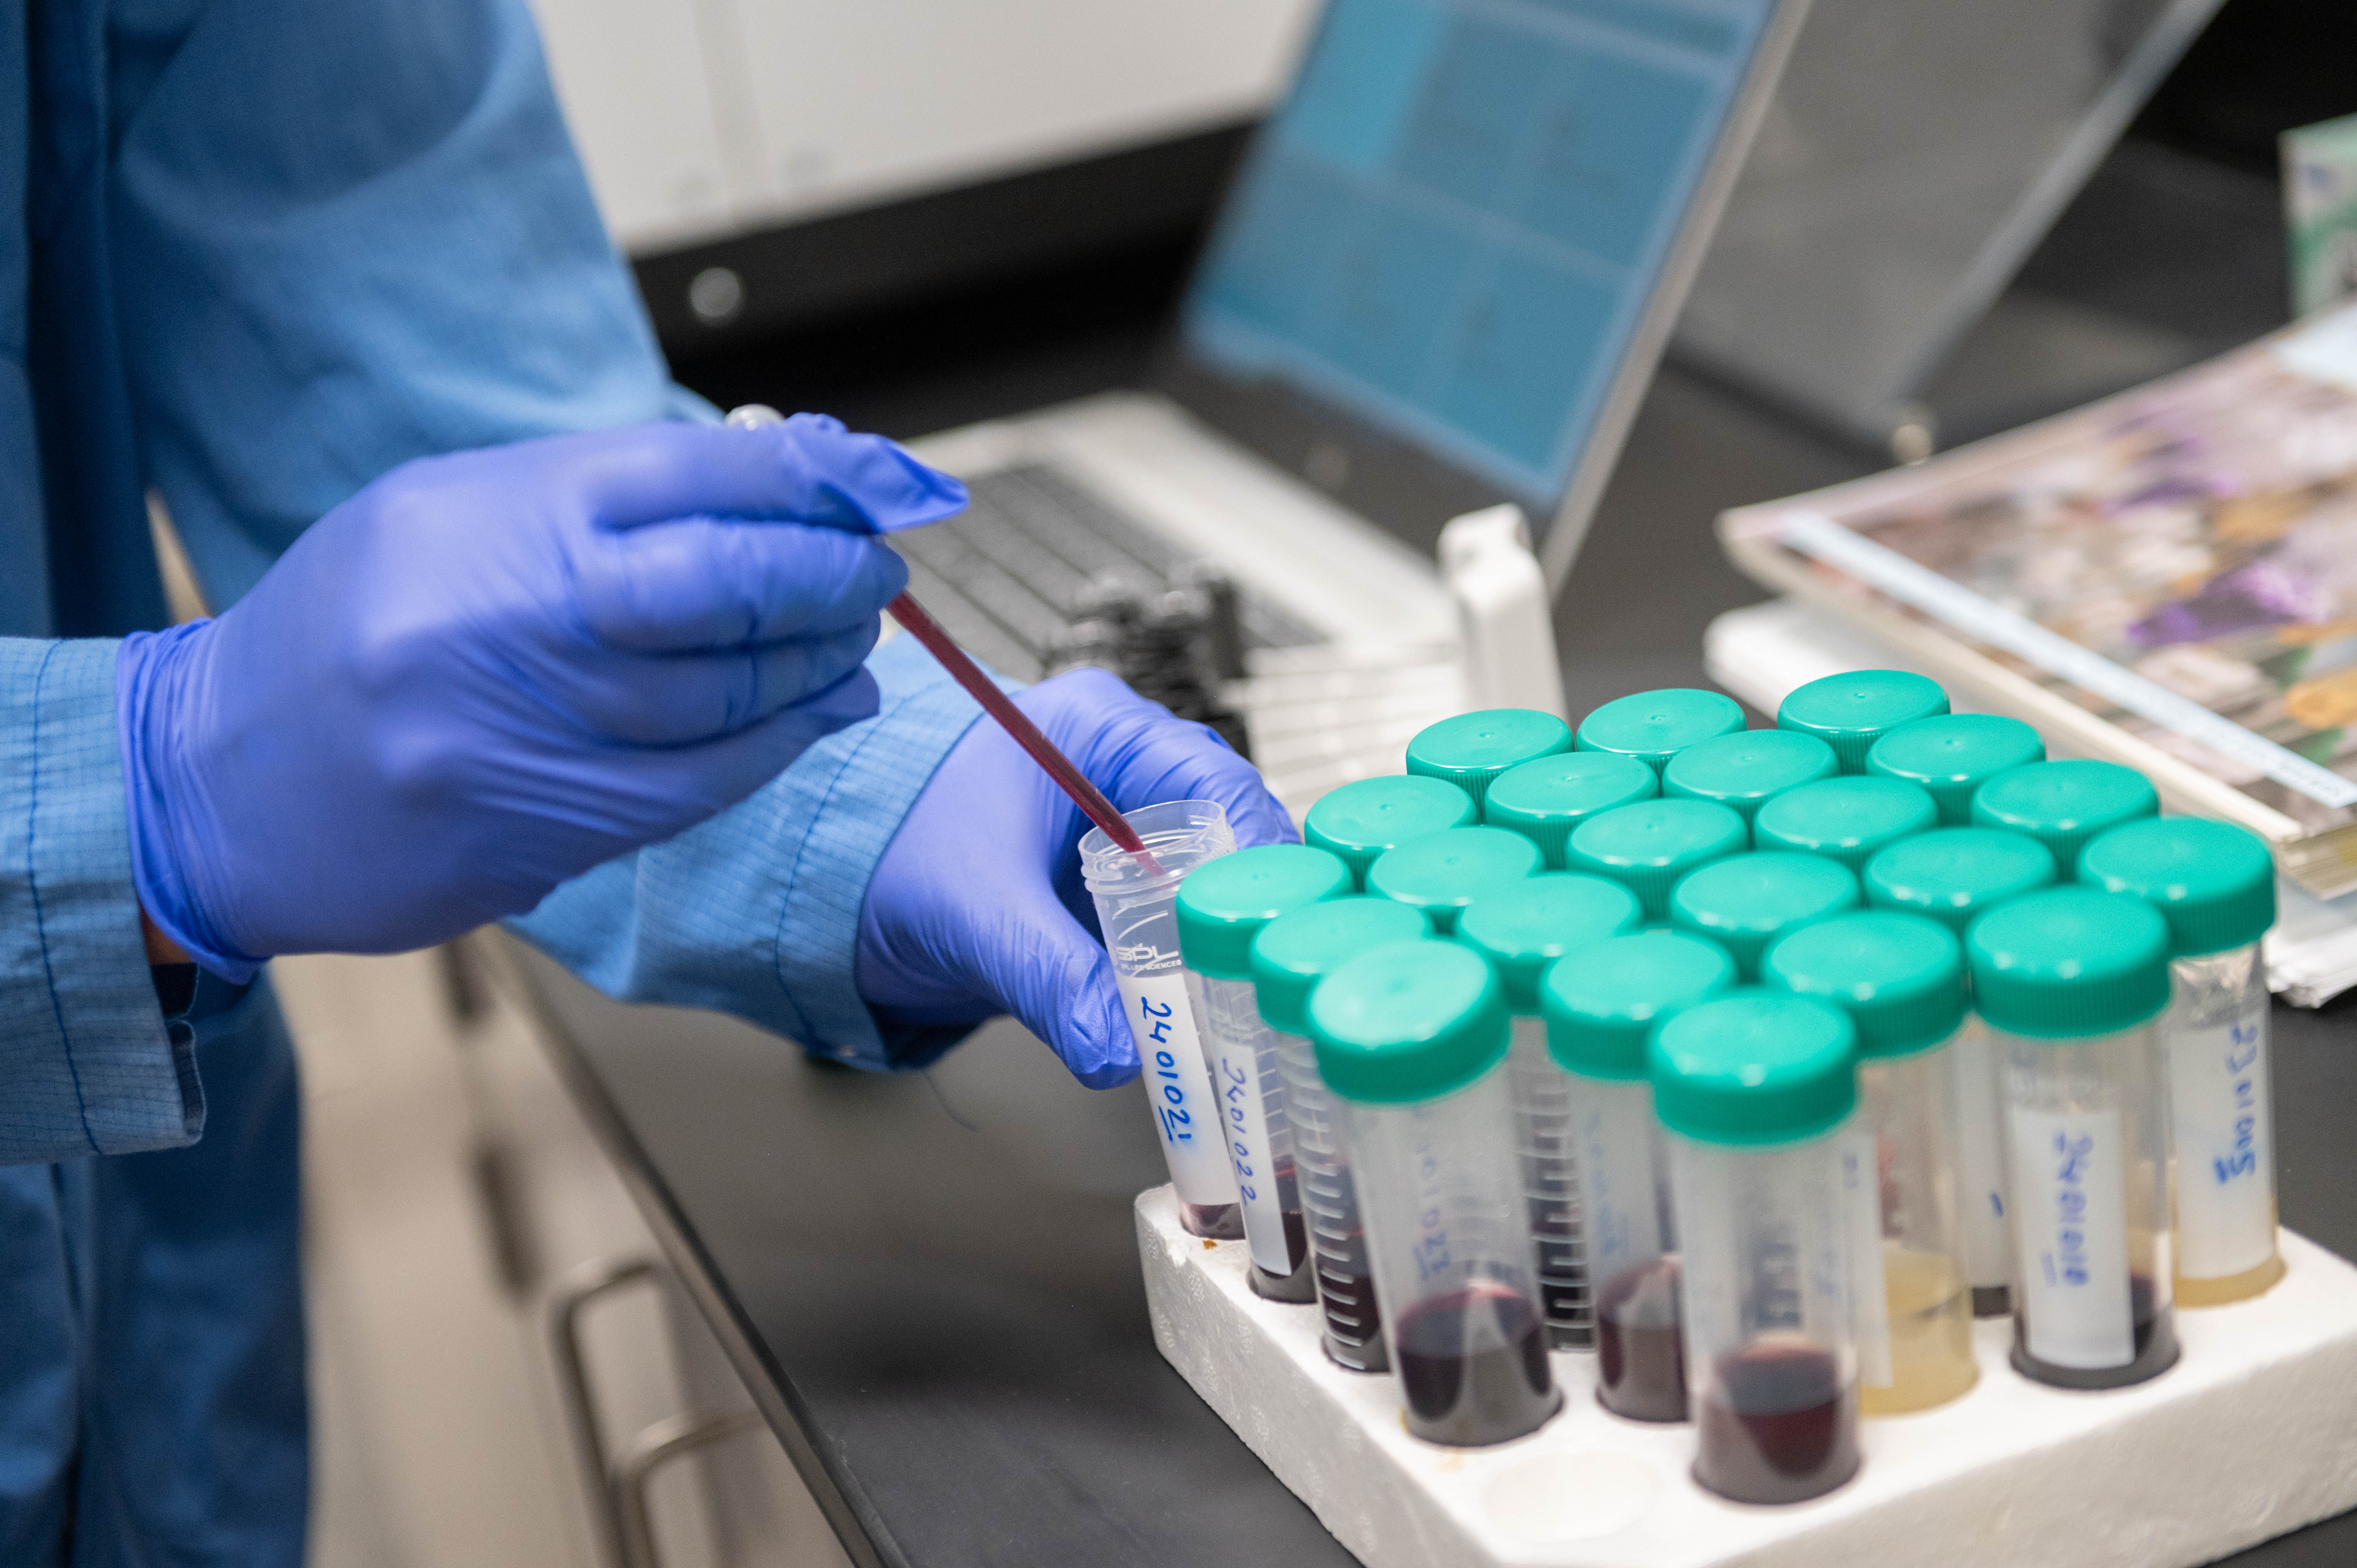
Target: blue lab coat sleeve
column 757, row 911
column 87, row 1061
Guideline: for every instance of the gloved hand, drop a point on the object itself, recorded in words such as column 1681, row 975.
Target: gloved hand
column 488, row 673
column 978, row 909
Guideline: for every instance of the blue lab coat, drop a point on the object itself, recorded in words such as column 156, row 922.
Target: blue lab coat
column 268, row 249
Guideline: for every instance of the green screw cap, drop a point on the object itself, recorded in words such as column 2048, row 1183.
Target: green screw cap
column 1294, row 952
column 1747, row 901
column 1756, row 1068
column 1471, row 749
column 1742, row 771
column 1844, row 819
column 1224, row 903
column 1543, row 801
column 1361, row 820
column 1648, row 846
column 1850, row 713
column 1525, row 926
column 2063, row 805
column 1901, row 978
column 2070, row 963
column 1441, row 873
column 2213, row 882
column 1406, row 1022
column 1601, row 1002
column 1953, row 875
column 1655, row 727
column 1952, row 756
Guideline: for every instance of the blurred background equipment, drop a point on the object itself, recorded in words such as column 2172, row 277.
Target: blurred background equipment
column 2320, row 174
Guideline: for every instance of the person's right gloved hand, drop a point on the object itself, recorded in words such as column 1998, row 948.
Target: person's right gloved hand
column 488, row 673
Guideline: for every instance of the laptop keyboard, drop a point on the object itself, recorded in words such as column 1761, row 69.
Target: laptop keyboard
column 1012, row 576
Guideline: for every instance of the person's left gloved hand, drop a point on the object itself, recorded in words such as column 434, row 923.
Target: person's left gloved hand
column 978, row 909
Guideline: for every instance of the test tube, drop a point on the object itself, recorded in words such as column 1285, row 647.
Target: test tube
column 1441, row 873
column 1747, row 901
column 1743, row 771
column 2071, row 980
column 2064, row 805
column 1901, row 978
column 1953, row 875
column 1850, row 712
column 1471, row 749
column 1844, row 819
column 1138, row 913
column 1222, row 907
column 1360, row 821
column 1522, row 929
column 1951, row 757
column 1648, row 846
column 1543, row 801
column 1290, row 957
column 1600, row 1005
column 1411, row 1039
column 1757, row 1091
column 2215, row 884
column 1653, row 726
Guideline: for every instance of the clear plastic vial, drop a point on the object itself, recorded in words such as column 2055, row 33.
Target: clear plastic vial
column 1953, row 875
column 1655, row 727
column 1413, row 1039
column 2215, row 884
column 1288, row 959
column 1523, row 929
column 1360, row 821
column 1471, row 749
column 1543, row 801
column 1757, row 1091
column 1137, row 912
column 1850, row 712
column 1442, row 872
column 1601, row 1004
column 2072, row 981
column 1222, row 907
column 1901, row 978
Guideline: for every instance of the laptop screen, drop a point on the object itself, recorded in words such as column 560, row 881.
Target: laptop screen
column 1453, row 226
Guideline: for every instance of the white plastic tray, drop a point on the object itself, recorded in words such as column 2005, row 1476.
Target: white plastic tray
column 2252, row 1433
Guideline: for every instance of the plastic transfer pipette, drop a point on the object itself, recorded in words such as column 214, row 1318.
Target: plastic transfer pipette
column 983, row 690
column 1012, row 719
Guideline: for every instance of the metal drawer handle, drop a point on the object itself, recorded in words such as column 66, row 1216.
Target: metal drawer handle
column 649, row 1452
column 594, row 1280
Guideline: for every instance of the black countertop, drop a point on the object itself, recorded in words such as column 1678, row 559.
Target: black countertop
column 930, row 1283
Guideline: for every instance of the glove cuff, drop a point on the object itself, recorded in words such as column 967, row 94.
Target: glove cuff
column 152, row 686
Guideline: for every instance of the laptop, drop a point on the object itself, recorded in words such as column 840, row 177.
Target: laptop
column 1440, row 282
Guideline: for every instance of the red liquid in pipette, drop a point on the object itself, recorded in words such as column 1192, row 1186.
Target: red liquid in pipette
column 998, row 705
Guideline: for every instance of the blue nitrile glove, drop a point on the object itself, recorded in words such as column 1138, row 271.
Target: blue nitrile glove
column 978, row 909
column 488, row 673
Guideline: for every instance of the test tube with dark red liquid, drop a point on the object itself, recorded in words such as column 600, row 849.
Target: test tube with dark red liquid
column 1136, row 901
column 1523, row 929
column 1290, row 957
column 1600, row 1005
column 1222, row 907
column 1758, row 1093
column 2070, row 982
column 1412, row 1037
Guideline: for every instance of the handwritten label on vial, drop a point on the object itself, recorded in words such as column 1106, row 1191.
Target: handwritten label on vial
column 1614, row 1157
column 1179, row 1085
column 1869, row 1295
column 2225, row 1148
column 2070, row 1184
column 1235, row 1079
column 1980, row 1157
